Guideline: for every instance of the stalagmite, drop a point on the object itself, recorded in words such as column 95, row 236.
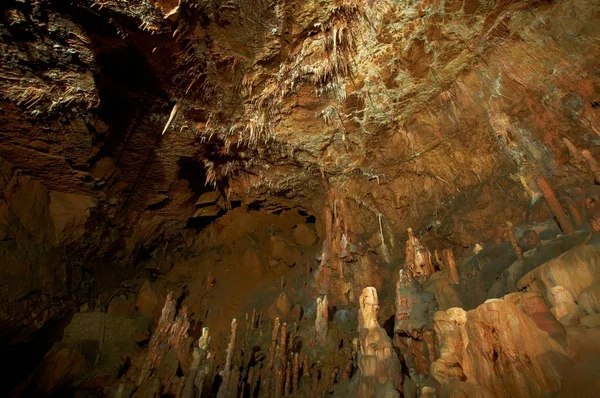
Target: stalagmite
column 273, row 348
column 305, row 366
column 418, row 258
column 251, row 381
column 163, row 334
column 448, row 324
column 322, row 320
column 438, row 259
column 283, row 341
column 563, row 220
column 295, row 372
column 199, row 356
column 280, row 365
column 405, row 296
column 451, row 266
column 229, row 384
column 288, row 380
column 380, row 372
column 413, row 323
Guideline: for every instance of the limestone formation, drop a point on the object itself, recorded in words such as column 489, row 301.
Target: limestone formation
column 167, row 166
column 380, row 373
column 418, row 258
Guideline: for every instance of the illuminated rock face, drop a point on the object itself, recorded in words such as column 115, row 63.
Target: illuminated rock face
column 493, row 346
column 380, row 371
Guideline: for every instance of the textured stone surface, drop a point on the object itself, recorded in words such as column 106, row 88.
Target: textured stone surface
column 239, row 152
column 502, row 348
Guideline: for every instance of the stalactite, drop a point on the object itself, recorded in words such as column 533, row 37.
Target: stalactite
column 385, row 251
column 323, row 277
column 450, row 265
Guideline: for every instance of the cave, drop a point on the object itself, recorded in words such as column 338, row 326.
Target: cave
column 269, row 198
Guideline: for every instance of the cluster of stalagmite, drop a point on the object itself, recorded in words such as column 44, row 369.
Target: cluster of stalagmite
column 430, row 352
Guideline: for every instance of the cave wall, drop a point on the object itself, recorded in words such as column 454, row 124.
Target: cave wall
column 127, row 127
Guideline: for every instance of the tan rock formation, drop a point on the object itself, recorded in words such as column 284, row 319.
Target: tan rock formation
column 493, row 346
column 418, row 257
column 380, row 372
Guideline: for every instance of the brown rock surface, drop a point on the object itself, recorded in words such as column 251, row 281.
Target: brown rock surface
column 263, row 161
column 507, row 353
